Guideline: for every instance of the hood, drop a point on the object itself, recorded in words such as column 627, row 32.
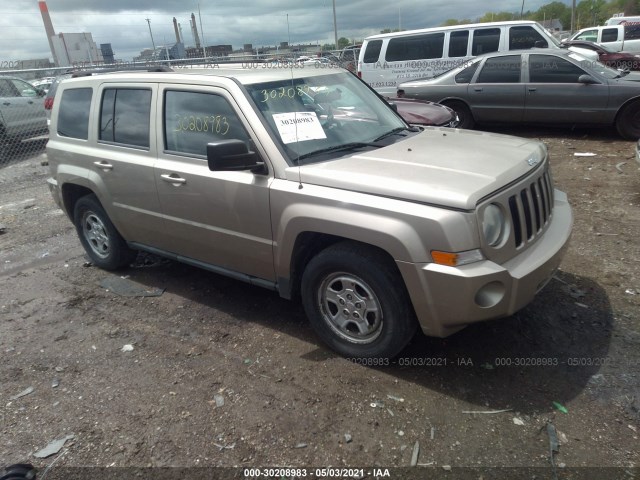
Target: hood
column 440, row 166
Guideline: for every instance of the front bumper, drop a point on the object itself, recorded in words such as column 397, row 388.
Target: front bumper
column 447, row 299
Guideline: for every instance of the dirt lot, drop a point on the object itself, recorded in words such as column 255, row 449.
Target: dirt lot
column 226, row 374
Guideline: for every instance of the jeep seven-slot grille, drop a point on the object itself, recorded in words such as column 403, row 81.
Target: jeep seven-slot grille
column 531, row 209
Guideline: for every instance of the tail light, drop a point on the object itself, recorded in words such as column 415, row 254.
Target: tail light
column 48, row 103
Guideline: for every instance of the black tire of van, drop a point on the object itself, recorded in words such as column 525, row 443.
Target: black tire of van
column 101, row 240
column 628, row 121
column 465, row 117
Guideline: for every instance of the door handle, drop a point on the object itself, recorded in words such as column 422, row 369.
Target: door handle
column 173, row 178
column 30, row 102
column 532, row 89
column 6, row 103
column 477, row 89
column 103, row 165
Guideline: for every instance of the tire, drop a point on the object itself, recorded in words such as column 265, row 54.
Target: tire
column 628, row 121
column 465, row 116
column 102, row 242
column 357, row 303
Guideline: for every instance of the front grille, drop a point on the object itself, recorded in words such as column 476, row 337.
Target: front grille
column 531, row 209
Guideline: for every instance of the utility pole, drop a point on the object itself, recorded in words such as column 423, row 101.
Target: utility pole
column 152, row 42
column 335, row 24
column 573, row 16
column 522, row 10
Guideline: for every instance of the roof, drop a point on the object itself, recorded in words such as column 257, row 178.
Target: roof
column 245, row 73
column 451, row 27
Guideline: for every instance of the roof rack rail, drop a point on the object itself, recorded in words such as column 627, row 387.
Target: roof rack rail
column 97, row 71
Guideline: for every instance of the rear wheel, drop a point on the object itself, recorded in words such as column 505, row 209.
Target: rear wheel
column 465, row 117
column 357, row 302
column 99, row 237
column 628, row 121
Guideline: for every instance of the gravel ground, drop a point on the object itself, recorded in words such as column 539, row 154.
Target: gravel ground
column 217, row 373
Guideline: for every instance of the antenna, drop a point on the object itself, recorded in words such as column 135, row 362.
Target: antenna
column 295, row 114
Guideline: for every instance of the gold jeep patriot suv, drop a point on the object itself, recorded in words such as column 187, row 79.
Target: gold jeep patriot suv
column 304, row 181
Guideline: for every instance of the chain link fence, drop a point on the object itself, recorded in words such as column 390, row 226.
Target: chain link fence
column 23, row 117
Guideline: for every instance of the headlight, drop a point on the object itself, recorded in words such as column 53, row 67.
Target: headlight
column 493, row 224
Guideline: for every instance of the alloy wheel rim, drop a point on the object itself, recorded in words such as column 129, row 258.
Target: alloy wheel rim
column 350, row 308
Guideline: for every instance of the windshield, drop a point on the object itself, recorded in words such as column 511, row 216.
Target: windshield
column 321, row 114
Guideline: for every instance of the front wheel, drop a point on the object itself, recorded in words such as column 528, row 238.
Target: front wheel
column 628, row 121
column 102, row 242
column 465, row 117
column 357, row 303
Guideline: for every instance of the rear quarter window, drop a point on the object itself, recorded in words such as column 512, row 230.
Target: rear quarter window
column 372, row 51
column 73, row 113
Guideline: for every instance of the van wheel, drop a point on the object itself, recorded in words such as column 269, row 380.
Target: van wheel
column 628, row 121
column 104, row 245
column 465, row 117
column 357, row 303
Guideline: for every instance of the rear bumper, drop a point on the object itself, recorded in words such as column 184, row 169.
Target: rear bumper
column 448, row 298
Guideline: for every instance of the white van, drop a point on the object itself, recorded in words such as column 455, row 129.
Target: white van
column 617, row 37
column 621, row 20
column 388, row 59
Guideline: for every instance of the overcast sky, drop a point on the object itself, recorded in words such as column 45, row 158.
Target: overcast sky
column 259, row 22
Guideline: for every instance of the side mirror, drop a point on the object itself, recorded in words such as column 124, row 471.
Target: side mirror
column 586, row 79
column 541, row 44
column 393, row 106
column 232, row 155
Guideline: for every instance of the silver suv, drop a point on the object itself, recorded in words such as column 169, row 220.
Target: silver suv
column 304, row 181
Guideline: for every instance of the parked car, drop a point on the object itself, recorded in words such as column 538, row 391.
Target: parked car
column 608, row 56
column 349, row 57
column 624, row 37
column 379, row 228
column 22, row 114
column 541, row 86
column 43, row 83
column 421, row 112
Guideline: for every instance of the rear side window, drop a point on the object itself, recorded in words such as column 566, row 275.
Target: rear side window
column 524, row 37
column 73, row 115
column 609, row 35
column 416, row 47
column 485, row 40
column 458, row 42
column 501, row 70
column 193, row 119
column 372, row 51
column 125, row 116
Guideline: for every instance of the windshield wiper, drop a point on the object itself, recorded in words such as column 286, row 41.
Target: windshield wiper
column 337, row 148
column 395, row 131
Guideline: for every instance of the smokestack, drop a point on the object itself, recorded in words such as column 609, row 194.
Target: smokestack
column 48, row 27
column 175, row 29
column 194, row 29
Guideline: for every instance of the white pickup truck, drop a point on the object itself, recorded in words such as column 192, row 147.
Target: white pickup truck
column 617, row 37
